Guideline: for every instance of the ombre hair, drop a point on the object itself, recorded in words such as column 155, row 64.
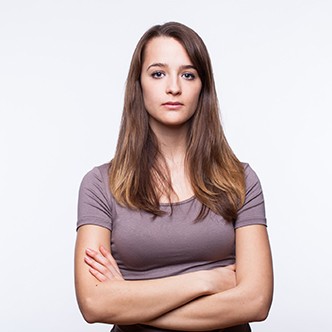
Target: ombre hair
column 138, row 172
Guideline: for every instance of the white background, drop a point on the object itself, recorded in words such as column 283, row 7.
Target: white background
column 63, row 66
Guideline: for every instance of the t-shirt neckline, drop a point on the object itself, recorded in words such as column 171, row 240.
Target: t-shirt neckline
column 179, row 203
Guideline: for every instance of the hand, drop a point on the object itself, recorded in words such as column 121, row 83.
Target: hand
column 102, row 265
column 221, row 278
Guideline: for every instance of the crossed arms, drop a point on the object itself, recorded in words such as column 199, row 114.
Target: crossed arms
column 197, row 301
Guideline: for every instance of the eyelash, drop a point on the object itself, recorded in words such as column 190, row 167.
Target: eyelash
column 191, row 76
column 159, row 74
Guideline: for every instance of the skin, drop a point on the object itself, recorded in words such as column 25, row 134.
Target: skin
column 171, row 85
column 202, row 300
column 171, row 88
column 103, row 295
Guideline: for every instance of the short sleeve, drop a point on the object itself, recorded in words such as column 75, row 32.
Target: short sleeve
column 253, row 210
column 94, row 206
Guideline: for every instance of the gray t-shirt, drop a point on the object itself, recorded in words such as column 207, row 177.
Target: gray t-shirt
column 146, row 247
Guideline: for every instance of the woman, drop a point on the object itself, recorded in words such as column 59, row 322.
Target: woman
column 159, row 226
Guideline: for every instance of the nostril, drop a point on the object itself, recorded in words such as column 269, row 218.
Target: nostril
column 173, row 90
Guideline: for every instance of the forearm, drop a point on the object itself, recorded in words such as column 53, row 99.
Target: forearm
column 127, row 302
column 249, row 301
column 230, row 308
column 130, row 302
column 105, row 297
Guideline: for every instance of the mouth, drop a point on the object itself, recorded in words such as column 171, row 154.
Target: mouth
column 172, row 105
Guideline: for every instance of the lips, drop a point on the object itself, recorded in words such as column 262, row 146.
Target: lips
column 173, row 105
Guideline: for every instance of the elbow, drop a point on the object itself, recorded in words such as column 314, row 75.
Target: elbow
column 257, row 300
column 89, row 318
column 255, row 304
column 88, row 311
column 262, row 306
column 91, row 311
column 261, row 314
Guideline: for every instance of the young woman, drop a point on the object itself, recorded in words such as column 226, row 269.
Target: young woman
column 172, row 232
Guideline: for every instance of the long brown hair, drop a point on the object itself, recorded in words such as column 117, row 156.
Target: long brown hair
column 137, row 179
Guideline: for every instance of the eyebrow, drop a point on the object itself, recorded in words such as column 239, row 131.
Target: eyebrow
column 162, row 65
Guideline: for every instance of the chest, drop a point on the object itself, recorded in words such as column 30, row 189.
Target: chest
column 175, row 241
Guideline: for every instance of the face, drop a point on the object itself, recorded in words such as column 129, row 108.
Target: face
column 170, row 83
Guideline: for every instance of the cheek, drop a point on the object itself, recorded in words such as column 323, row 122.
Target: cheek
column 150, row 96
column 146, row 96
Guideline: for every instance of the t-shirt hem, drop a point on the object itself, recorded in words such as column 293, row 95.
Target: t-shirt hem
column 95, row 222
column 250, row 222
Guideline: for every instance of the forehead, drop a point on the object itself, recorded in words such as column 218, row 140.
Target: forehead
column 165, row 50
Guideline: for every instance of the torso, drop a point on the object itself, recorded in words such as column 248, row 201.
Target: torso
column 147, row 247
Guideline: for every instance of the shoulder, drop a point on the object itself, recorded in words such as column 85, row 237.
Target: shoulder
column 251, row 178
column 97, row 178
column 253, row 209
column 249, row 173
column 96, row 182
column 97, row 174
column 95, row 203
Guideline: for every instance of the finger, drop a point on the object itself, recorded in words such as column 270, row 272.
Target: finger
column 109, row 256
column 100, row 277
column 98, row 257
column 114, row 266
column 103, row 265
column 98, row 267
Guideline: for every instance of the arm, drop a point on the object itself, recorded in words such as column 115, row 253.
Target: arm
column 117, row 301
column 249, row 301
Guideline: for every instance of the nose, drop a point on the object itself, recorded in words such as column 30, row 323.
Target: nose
column 173, row 86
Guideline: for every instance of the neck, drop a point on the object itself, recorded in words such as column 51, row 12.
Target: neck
column 172, row 142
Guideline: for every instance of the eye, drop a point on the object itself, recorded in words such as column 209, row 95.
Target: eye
column 158, row 74
column 188, row 76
